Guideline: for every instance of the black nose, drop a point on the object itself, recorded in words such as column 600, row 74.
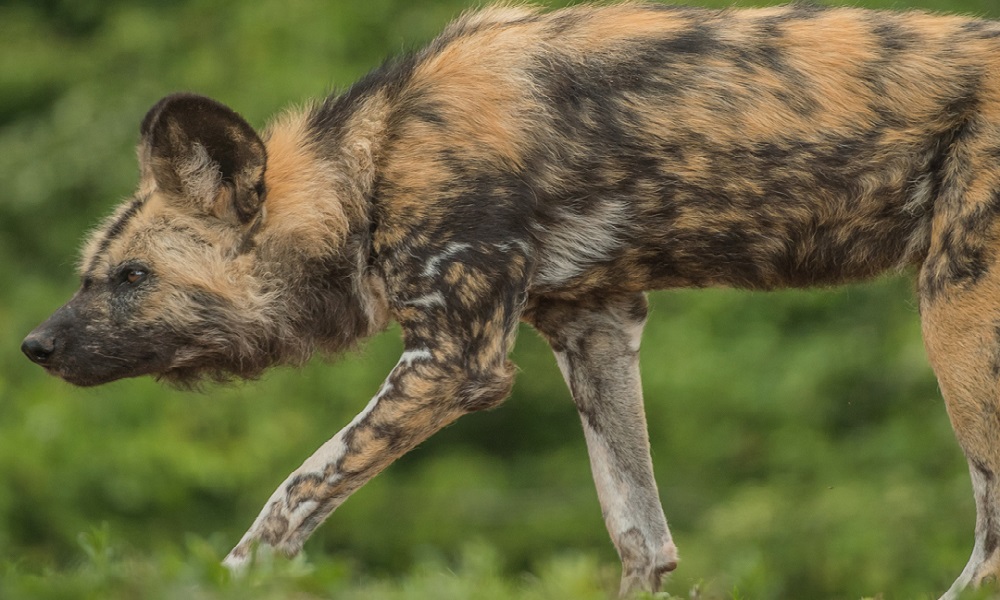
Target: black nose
column 38, row 348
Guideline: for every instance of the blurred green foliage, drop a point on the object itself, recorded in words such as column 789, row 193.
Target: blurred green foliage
column 800, row 442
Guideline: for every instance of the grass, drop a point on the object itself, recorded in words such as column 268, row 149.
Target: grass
column 107, row 571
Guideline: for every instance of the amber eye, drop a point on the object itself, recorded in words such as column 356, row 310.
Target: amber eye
column 134, row 276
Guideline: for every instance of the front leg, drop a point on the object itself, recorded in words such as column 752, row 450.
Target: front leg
column 427, row 390
column 418, row 398
column 457, row 338
column 596, row 343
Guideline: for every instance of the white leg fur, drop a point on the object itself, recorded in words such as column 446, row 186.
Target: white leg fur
column 597, row 352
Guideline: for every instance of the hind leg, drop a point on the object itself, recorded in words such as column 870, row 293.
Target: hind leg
column 596, row 344
column 960, row 316
column 962, row 335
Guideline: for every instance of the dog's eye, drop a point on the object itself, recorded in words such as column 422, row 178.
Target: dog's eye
column 132, row 275
column 135, row 275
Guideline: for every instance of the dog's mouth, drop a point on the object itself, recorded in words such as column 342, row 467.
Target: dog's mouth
column 90, row 366
column 93, row 373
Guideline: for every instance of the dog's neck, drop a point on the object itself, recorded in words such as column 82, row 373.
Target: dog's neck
column 316, row 195
column 317, row 226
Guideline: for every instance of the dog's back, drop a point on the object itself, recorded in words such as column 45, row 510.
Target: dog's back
column 648, row 146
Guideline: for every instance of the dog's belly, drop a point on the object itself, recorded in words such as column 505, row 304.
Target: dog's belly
column 762, row 234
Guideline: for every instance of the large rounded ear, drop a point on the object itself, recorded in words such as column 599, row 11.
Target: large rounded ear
column 205, row 155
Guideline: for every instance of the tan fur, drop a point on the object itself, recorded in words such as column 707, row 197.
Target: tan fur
column 306, row 200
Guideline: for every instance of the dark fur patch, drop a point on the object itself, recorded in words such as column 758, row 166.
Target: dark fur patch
column 115, row 230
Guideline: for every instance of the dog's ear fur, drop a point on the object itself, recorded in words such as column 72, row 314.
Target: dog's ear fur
column 204, row 155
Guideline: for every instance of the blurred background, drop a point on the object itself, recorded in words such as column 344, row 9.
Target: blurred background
column 800, row 442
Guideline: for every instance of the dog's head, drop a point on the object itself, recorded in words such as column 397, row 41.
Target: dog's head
column 168, row 283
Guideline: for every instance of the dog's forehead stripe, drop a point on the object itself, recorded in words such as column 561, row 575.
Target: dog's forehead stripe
column 116, row 229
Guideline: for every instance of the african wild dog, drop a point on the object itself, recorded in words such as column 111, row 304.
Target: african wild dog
column 550, row 167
